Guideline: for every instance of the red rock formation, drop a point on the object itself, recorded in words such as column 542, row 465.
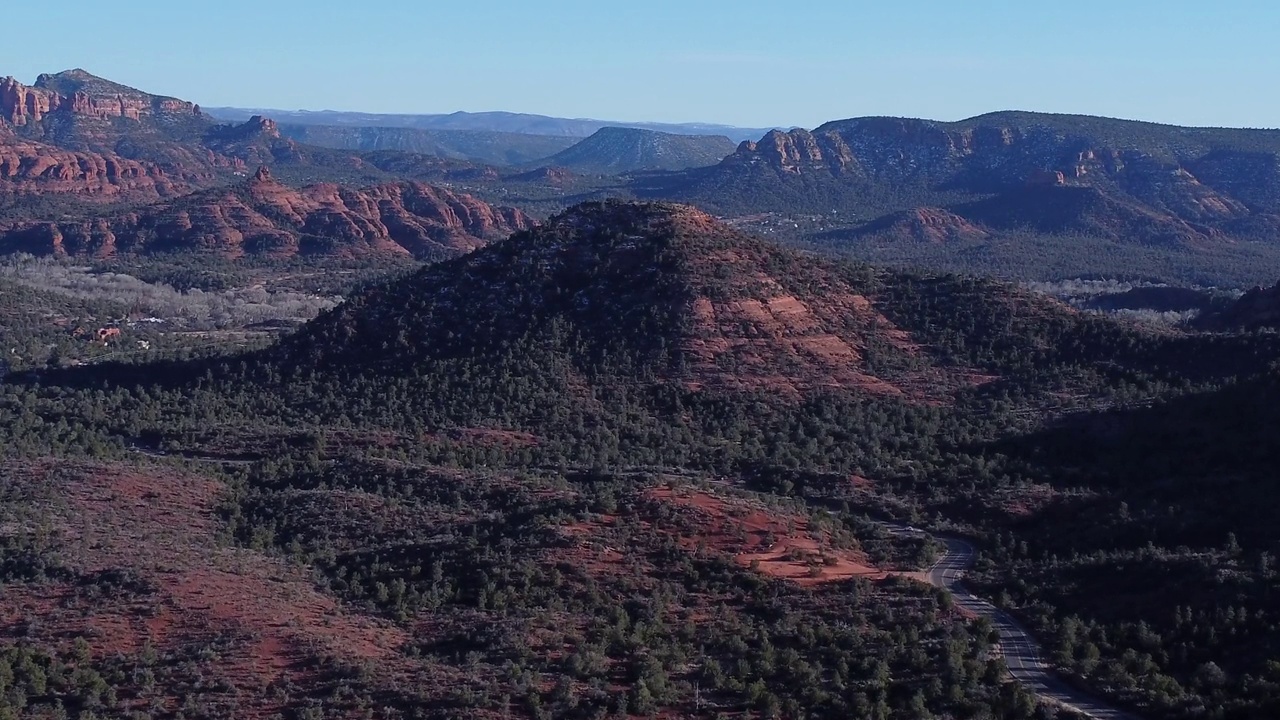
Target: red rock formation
column 935, row 225
column 256, row 126
column 267, row 218
column 797, row 152
column 93, row 98
column 32, row 167
column 61, row 135
column 924, row 224
column 793, row 151
column 21, row 105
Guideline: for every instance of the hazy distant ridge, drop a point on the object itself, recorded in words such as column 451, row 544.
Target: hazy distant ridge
column 491, row 121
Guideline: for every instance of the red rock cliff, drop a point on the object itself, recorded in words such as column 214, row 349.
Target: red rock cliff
column 21, row 105
column 264, row 217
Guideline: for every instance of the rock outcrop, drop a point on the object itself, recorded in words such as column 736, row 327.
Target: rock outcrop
column 21, row 105
column 78, row 93
column 28, row 167
column 1258, row 308
column 255, row 127
column 79, row 135
column 924, row 224
column 1006, row 150
column 264, row 217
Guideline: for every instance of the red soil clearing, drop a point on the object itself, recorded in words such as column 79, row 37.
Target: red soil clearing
column 775, row 544
column 265, row 616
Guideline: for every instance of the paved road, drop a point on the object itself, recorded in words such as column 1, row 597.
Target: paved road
column 1021, row 653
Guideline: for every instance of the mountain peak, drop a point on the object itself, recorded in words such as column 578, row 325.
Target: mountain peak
column 79, row 94
column 625, row 149
column 622, row 217
column 262, row 125
column 76, row 74
column 653, row 291
column 78, row 80
column 609, row 226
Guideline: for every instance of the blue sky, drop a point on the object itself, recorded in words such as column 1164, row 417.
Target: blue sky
column 746, row 62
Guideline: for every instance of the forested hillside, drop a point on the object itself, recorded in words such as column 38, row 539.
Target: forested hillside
column 625, row 462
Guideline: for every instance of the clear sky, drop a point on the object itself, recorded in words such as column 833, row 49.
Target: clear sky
column 746, row 62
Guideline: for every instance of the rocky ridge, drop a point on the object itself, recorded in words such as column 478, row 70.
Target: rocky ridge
column 1196, row 184
column 264, row 217
column 76, row 92
column 92, row 140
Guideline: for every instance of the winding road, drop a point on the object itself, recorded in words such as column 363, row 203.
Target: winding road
column 1021, row 653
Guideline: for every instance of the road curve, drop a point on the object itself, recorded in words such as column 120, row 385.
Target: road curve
column 1021, row 653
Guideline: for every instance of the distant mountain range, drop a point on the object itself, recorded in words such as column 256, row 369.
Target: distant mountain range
column 618, row 150
column 506, row 122
column 481, row 146
column 1207, row 177
column 1173, row 196
column 608, row 151
column 1021, row 195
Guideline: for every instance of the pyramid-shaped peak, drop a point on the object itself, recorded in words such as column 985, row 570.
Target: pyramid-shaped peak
column 638, row 218
column 633, row 291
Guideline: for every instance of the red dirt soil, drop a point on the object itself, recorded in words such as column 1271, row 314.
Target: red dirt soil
column 774, row 543
column 592, row 551
column 267, row 618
